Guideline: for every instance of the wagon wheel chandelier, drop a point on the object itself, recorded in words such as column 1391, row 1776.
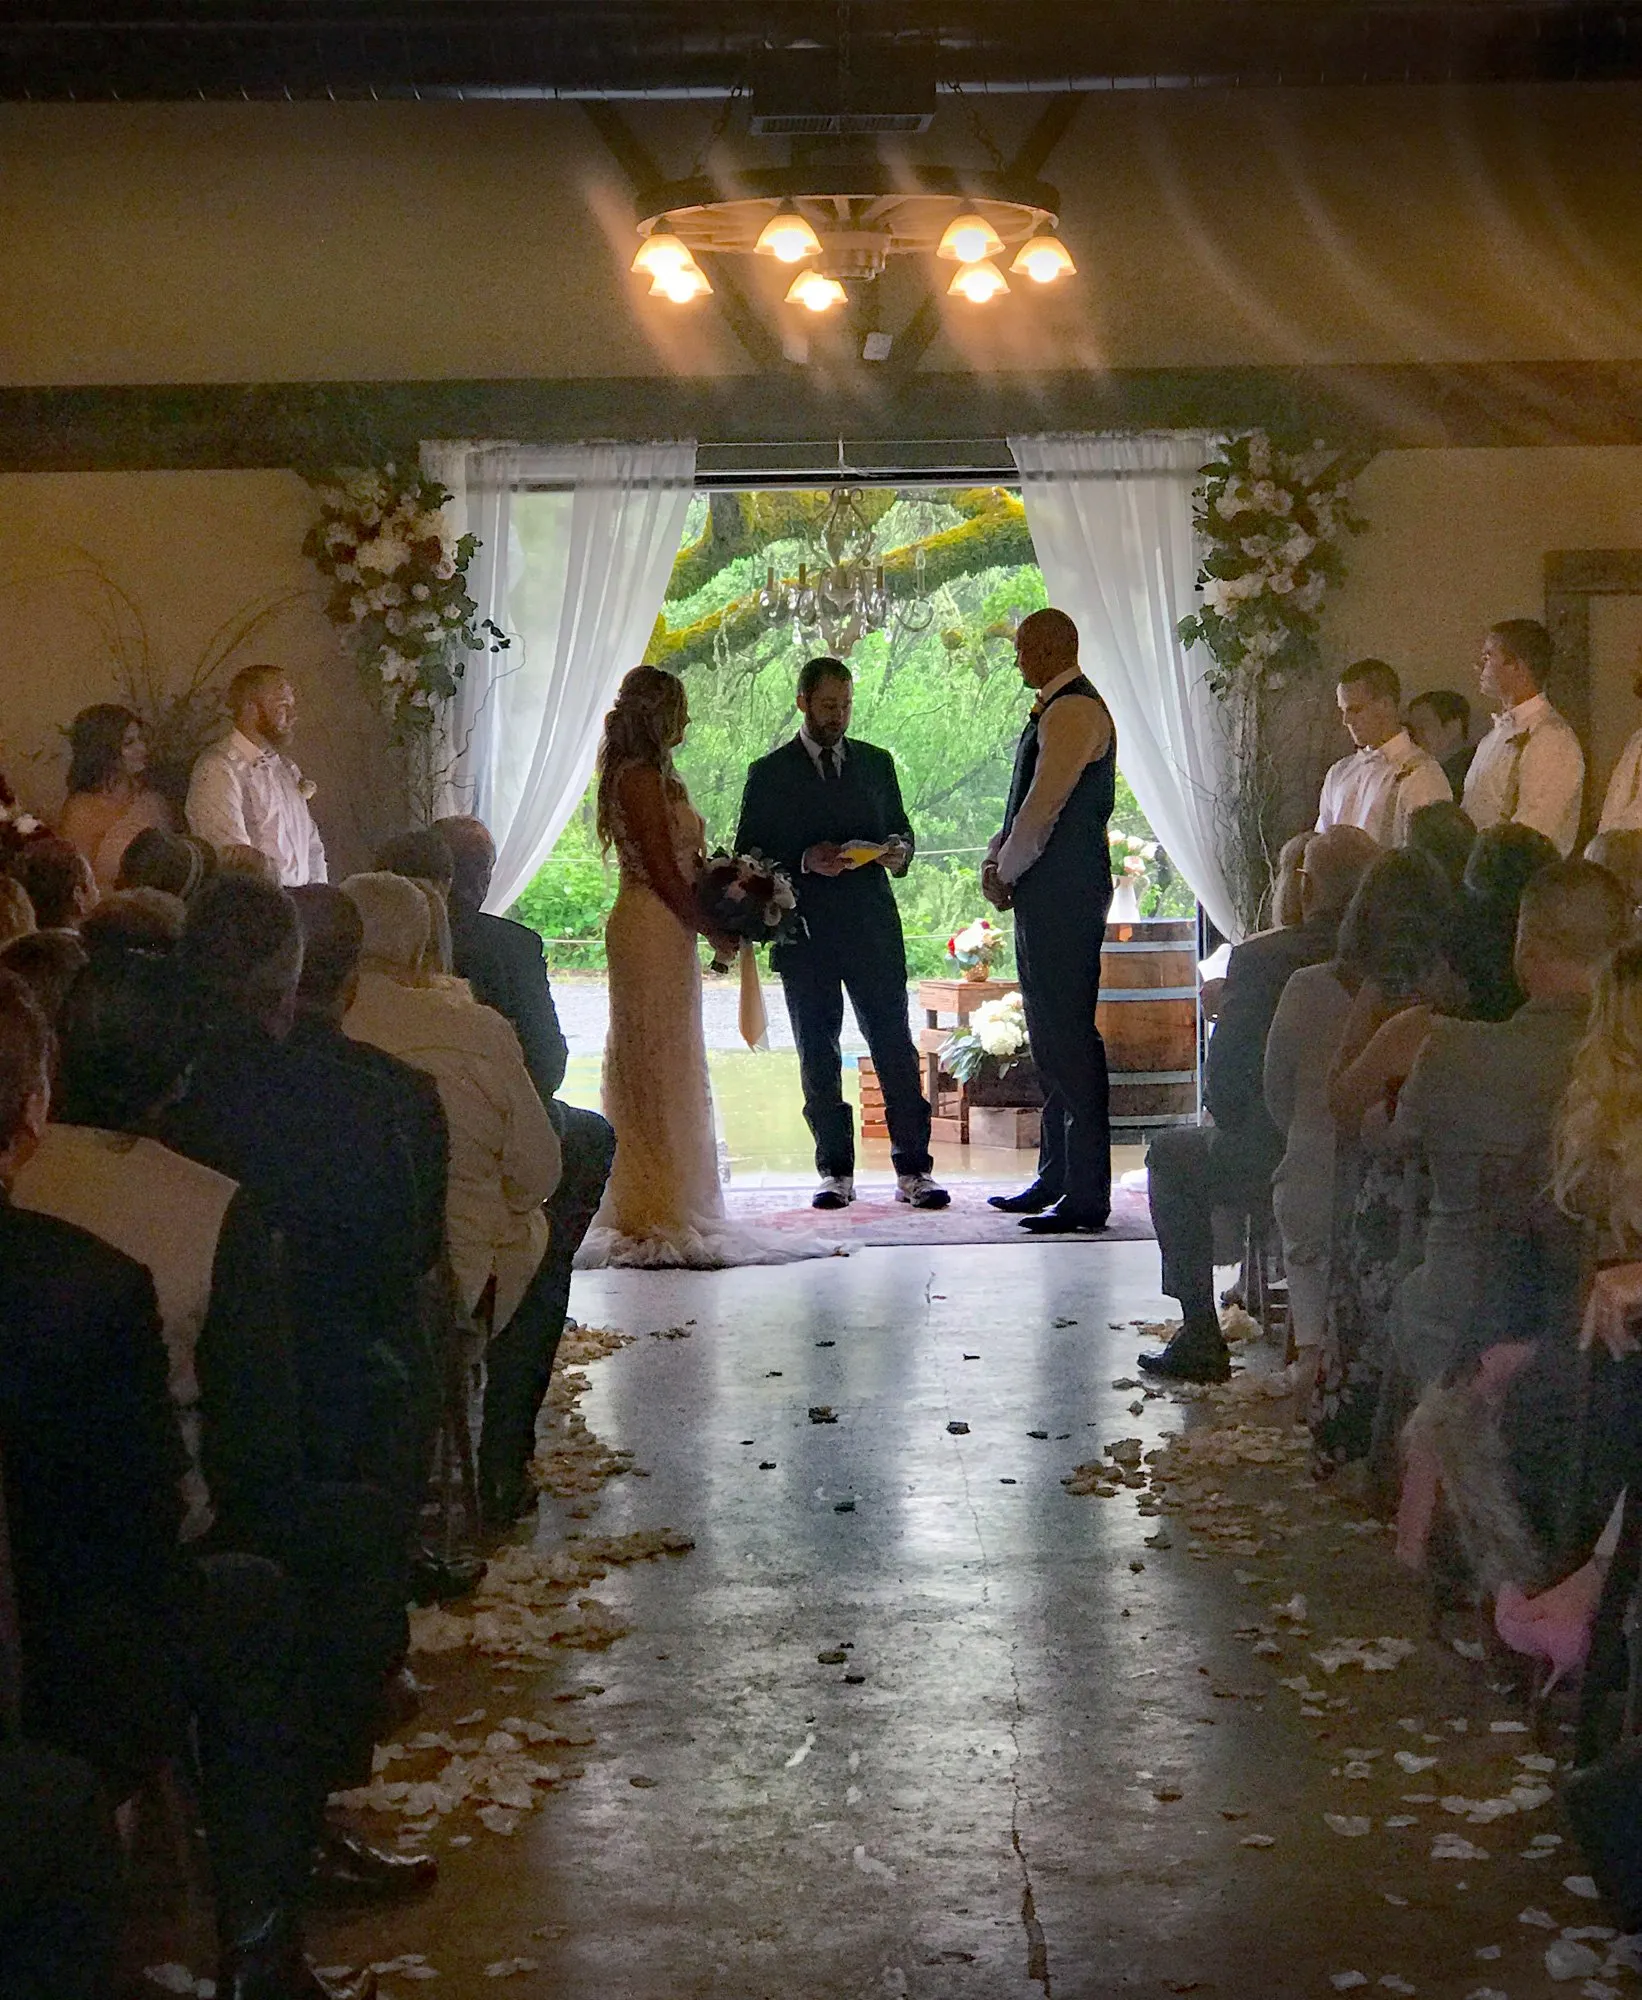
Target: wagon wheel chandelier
column 842, row 223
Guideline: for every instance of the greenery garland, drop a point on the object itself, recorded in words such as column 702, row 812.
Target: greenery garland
column 399, row 594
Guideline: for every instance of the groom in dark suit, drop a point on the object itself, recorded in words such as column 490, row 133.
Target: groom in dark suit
column 814, row 807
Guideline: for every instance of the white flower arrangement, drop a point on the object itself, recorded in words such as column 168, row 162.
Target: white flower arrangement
column 1131, row 856
column 399, row 592
column 995, row 1032
column 1273, row 519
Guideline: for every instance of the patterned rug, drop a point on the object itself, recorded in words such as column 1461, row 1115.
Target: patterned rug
column 877, row 1220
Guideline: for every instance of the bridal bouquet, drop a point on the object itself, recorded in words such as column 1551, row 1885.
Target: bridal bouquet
column 750, row 898
column 753, row 900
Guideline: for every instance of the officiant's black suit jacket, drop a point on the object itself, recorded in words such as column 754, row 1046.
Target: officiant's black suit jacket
column 788, row 808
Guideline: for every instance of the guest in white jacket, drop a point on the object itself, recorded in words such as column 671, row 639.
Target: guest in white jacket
column 504, row 1159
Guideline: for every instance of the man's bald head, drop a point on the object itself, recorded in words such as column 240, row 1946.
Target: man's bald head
column 473, row 853
column 1335, row 862
column 1046, row 645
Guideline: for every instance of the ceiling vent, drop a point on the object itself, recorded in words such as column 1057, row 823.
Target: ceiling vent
column 813, row 94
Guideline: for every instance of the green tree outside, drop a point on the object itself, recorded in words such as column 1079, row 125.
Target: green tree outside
column 945, row 699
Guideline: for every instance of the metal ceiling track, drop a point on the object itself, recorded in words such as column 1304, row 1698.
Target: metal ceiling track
column 614, row 50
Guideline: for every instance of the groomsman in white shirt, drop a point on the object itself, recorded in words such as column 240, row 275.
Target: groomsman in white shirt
column 245, row 792
column 1529, row 769
column 1388, row 777
column 1622, row 807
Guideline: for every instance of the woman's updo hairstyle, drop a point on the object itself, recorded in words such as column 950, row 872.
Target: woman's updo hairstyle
column 641, row 728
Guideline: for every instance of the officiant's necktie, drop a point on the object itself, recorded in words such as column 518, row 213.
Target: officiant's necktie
column 829, row 766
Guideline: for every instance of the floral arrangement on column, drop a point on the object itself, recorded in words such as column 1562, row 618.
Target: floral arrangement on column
column 398, row 590
column 1273, row 519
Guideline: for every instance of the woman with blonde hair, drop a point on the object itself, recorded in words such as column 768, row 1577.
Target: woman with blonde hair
column 664, row 1204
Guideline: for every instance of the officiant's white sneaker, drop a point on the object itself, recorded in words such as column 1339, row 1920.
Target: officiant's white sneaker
column 920, row 1191
column 835, row 1191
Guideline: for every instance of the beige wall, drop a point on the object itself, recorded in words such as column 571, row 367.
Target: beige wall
column 245, row 243
column 1457, row 539
column 192, row 551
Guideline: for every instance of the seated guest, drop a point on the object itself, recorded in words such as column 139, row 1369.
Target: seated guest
column 1619, row 850
column 1503, row 861
column 1192, row 1170
column 1622, row 803
column 60, row 1889
column 423, row 856
column 132, row 1648
column 504, row 1159
column 57, row 878
column 1445, row 833
column 1440, row 723
column 503, row 963
column 16, row 911
column 1529, row 769
column 1388, row 776
column 135, row 917
column 1393, row 957
column 157, row 859
column 1482, row 1095
column 109, row 803
column 48, row 963
column 251, row 862
column 245, row 792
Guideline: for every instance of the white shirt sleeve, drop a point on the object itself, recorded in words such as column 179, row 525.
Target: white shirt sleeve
column 1070, row 736
column 1551, row 785
column 1328, row 805
column 216, row 806
column 1622, row 807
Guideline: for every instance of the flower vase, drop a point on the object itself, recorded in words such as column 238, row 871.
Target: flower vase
column 978, row 973
column 1125, row 903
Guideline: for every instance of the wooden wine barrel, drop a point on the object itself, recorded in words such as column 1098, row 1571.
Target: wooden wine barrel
column 1148, row 1018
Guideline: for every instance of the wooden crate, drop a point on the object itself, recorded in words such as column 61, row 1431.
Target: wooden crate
column 872, row 1100
column 1009, row 1126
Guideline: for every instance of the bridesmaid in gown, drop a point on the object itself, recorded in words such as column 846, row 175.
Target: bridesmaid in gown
column 108, row 801
column 664, row 1204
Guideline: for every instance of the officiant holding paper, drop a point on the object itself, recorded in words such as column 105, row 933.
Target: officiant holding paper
column 827, row 808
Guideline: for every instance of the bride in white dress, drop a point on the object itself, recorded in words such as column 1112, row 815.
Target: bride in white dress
column 664, row 1204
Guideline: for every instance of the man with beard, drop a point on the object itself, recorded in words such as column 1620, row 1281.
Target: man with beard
column 245, row 792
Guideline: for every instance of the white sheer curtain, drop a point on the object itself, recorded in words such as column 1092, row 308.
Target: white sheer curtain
column 1111, row 521
column 576, row 543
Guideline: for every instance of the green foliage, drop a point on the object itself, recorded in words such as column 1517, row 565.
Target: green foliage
column 946, row 700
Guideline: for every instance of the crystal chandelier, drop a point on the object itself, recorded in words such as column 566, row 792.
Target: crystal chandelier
column 836, row 600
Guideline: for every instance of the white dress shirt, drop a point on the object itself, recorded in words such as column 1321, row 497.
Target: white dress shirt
column 1530, row 771
column 243, row 796
column 1379, row 789
column 1622, row 808
column 835, row 753
column 1069, row 740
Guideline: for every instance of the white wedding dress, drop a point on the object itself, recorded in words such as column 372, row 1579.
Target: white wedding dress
column 664, row 1205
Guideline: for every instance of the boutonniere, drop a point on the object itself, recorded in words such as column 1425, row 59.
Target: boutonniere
column 307, row 787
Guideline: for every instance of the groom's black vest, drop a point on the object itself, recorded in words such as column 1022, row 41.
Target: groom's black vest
column 1077, row 862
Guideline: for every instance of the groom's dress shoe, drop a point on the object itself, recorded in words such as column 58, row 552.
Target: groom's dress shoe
column 350, row 1870
column 1031, row 1201
column 1063, row 1220
column 835, row 1191
column 1196, row 1354
column 266, row 1962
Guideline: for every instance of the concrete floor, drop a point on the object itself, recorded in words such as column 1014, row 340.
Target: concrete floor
column 1025, row 1794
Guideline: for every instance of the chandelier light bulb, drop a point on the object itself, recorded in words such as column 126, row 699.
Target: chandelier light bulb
column 681, row 285
column 787, row 237
column 816, row 293
column 661, row 252
column 969, row 239
column 978, row 282
column 1043, row 258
